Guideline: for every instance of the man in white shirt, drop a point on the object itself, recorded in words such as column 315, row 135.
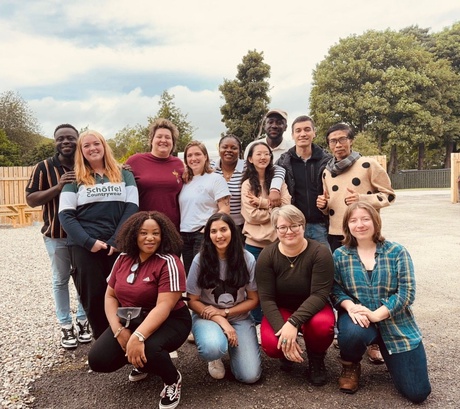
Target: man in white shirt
column 275, row 124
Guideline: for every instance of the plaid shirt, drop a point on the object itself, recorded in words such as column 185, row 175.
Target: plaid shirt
column 392, row 283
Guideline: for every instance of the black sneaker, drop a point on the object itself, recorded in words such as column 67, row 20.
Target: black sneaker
column 137, row 375
column 170, row 395
column 316, row 371
column 68, row 338
column 84, row 334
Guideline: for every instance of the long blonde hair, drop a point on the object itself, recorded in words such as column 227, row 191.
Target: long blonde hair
column 83, row 170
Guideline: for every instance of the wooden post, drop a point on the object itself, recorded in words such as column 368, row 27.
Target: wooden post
column 455, row 177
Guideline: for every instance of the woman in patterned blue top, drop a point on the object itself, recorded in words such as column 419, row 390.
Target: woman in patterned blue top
column 373, row 292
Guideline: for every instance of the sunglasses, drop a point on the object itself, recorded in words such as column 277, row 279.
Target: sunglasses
column 133, row 275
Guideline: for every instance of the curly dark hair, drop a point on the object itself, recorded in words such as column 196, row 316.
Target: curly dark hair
column 171, row 242
column 237, row 270
column 252, row 174
column 238, row 142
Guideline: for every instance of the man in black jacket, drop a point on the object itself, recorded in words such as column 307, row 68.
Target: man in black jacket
column 304, row 164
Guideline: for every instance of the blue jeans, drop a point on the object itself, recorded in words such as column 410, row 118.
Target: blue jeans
column 318, row 232
column 408, row 369
column 256, row 313
column 191, row 247
column 60, row 267
column 212, row 344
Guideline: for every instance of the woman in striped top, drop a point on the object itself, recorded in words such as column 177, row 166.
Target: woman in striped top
column 231, row 166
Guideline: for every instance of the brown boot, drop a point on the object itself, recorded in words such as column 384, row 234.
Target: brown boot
column 349, row 378
column 374, row 354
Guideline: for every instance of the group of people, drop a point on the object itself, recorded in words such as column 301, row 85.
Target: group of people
column 288, row 237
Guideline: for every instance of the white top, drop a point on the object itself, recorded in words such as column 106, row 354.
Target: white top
column 198, row 200
column 285, row 144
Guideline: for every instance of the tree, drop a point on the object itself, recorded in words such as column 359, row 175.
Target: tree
column 128, row 141
column 365, row 144
column 422, row 35
column 387, row 85
column 168, row 110
column 447, row 46
column 131, row 140
column 9, row 151
column 246, row 98
column 43, row 150
column 19, row 123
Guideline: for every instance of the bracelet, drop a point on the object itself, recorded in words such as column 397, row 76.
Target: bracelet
column 118, row 332
column 139, row 335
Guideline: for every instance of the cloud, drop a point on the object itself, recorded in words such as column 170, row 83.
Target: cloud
column 106, row 63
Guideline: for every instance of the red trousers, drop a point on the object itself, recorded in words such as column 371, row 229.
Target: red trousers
column 318, row 332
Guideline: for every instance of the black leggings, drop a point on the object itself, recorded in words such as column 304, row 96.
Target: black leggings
column 106, row 354
column 90, row 272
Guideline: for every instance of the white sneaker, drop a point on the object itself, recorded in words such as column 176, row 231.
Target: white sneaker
column 137, row 375
column 170, row 395
column 191, row 338
column 68, row 337
column 84, row 334
column 173, row 355
column 216, row 369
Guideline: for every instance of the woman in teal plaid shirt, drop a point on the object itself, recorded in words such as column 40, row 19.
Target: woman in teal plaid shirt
column 373, row 292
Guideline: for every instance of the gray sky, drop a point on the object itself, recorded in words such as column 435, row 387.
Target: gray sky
column 105, row 63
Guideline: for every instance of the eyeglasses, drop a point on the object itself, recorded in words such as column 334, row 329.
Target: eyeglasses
column 133, row 275
column 293, row 227
column 342, row 140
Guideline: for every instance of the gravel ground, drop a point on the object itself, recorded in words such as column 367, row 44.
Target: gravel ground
column 37, row 373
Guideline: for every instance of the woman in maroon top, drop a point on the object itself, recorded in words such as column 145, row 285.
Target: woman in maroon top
column 148, row 274
column 158, row 173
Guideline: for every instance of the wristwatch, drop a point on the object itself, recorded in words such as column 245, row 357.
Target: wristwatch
column 294, row 322
column 139, row 336
column 227, row 311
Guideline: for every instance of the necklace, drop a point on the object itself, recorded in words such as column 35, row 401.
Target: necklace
column 227, row 175
column 292, row 261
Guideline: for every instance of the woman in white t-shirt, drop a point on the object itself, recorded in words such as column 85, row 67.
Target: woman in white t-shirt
column 203, row 194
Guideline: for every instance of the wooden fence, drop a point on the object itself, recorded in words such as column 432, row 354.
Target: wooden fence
column 381, row 159
column 13, row 208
